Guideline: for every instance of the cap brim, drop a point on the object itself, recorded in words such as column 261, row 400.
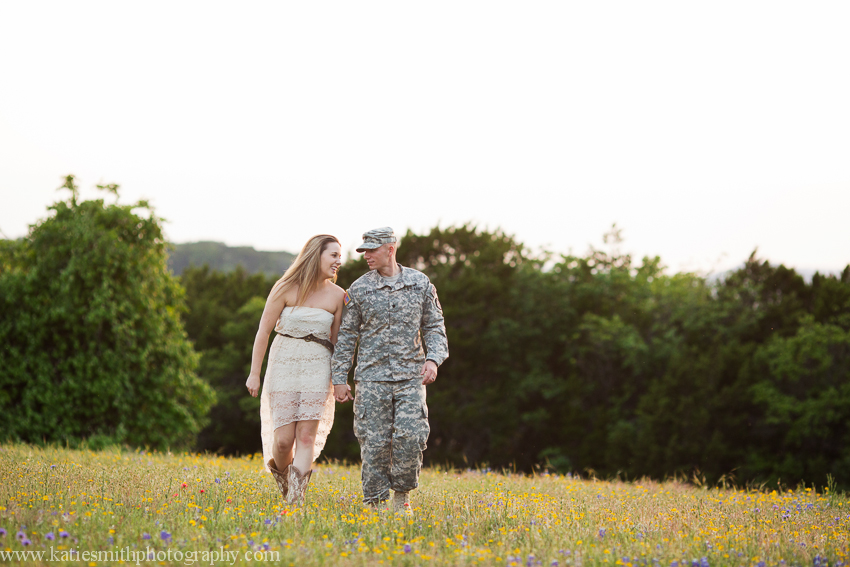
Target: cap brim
column 368, row 246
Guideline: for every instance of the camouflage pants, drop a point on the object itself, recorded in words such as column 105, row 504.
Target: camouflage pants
column 391, row 424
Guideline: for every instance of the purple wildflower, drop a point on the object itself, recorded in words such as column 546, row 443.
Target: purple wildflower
column 63, row 533
column 407, row 548
column 50, row 536
column 146, row 535
column 26, row 542
column 110, row 540
column 164, row 536
column 2, row 532
column 21, row 536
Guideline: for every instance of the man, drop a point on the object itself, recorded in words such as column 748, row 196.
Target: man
column 391, row 310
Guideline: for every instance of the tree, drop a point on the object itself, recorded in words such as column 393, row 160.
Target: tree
column 801, row 384
column 92, row 342
column 223, row 314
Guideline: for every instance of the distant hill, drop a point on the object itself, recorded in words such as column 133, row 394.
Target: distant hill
column 225, row 258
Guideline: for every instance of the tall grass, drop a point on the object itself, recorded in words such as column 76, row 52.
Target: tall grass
column 57, row 500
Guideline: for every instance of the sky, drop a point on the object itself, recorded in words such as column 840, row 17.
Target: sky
column 704, row 130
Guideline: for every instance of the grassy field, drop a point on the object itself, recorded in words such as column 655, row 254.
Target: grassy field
column 184, row 509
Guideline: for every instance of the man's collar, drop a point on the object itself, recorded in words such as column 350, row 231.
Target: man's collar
column 403, row 278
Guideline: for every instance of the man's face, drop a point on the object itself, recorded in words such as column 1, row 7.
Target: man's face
column 379, row 258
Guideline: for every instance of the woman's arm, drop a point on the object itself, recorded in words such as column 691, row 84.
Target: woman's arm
column 274, row 305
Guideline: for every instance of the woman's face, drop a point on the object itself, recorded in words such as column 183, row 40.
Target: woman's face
column 331, row 260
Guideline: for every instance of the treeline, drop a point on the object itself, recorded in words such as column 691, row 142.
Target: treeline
column 594, row 364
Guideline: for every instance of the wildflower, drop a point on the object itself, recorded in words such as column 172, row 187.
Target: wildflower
column 63, row 533
column 20, row 536
column 602, row 533
column 26, row 541
column 183, row 485
column 146, row 535
column 110, row 540
column 52, row 466
column 50, row 536
column 554, row 563
column 407, row 548
column 202, row 491
column 218, row 481
column 164, row 536
column 2, row 532
column 268, row 522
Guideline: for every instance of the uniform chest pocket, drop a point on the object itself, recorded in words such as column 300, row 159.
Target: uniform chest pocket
column 375, row 308
column 406, row 305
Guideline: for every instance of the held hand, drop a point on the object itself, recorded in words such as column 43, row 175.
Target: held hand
column 342, row 393
column 253, row 385
column 429, row 372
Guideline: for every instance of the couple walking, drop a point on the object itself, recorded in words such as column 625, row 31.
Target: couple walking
column 391, row 312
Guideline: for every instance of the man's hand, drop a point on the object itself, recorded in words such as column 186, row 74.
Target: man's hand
column 342, row 393
column 429, row 372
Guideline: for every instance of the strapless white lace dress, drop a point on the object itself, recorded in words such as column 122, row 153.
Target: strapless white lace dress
column 297, row 385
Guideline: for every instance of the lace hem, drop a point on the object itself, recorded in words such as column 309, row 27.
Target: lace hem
column 281, row 408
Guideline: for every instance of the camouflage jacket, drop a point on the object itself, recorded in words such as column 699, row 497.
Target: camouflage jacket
column 391, row 323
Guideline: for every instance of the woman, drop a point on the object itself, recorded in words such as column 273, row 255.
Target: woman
column 297, row 405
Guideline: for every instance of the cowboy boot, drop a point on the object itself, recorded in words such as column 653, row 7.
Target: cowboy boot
column 401, row 503
column 281, row 478
column 297, row 485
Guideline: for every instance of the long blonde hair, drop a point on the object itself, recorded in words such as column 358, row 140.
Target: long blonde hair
column 304, row 271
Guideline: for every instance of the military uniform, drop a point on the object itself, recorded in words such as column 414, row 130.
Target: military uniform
column 392, row 323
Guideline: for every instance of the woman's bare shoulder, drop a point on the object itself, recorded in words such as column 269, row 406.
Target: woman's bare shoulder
column 335, row 290
column 288, row 297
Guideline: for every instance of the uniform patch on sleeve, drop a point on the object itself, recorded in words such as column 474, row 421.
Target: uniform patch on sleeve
column 436, row 299
column 346, row 300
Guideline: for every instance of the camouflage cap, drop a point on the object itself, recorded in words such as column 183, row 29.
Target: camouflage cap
column 376, row 238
